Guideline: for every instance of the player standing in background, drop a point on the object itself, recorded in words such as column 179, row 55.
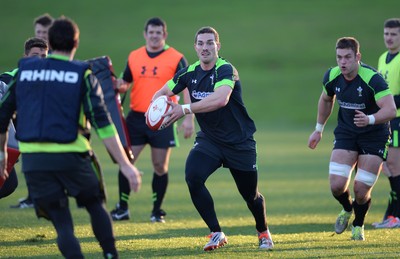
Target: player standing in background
column 41, row 26
column 53, row 97
column 34, row 47
column 148, row 68
column 389, row 67
column 225, row 137
column 362, row 133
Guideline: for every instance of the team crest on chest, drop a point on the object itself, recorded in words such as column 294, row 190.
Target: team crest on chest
column 359, row 90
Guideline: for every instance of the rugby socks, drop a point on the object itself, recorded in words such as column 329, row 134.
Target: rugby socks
column 159, row 186
column 345, row 200
column 360, row 211
column 124, row 191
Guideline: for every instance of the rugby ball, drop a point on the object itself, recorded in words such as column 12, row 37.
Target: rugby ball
column 154, row 115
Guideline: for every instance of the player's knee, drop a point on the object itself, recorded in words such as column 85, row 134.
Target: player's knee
column 339, row 169
column 160, row 166
column 365, row 177
column 193, row 181
column 88, row 197
column 45, row 205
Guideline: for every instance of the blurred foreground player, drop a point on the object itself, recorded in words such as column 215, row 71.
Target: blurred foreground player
column 53, row 97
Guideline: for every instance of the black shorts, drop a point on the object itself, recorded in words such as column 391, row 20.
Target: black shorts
column 141, row 134
column 395, row 130
column 59, row 174
column 372, row 143
column 241, row 157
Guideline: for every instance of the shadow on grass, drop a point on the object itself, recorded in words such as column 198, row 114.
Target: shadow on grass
column 313, row 244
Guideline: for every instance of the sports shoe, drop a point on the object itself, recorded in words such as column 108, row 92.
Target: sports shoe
column 23, row 203
column 119, row 214
column 357, row 233
column 265, row 240
column 217, row 239
column 390, row 222
column 342, row 221
column 158, row 216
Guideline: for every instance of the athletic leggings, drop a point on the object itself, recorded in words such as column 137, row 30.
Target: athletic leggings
column 67, row 242
column 199, row 167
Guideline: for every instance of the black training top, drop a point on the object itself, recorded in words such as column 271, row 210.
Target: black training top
column 228, row 125
column 361, row 94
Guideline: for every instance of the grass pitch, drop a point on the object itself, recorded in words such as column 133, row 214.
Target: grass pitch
column 300, row 209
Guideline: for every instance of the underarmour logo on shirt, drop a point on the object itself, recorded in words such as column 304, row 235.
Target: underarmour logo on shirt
column 194, row 81
column 154, row 71
column 337, row 89
column 143, row 70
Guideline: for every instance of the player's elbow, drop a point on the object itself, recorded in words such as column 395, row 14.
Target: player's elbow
column 393, row 113
column 221, row 103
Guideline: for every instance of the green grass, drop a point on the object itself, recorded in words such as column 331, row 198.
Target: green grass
column 300, row 210
column 281, row 49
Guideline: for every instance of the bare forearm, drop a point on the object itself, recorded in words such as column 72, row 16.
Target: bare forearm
column 214, row 101
column 3, row 142
column 115, row 148
column 324, row 110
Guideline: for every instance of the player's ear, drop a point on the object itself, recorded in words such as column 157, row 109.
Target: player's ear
column 76, row 43
column 358, row 57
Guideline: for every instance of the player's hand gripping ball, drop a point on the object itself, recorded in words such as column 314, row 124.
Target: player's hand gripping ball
column 154, row 115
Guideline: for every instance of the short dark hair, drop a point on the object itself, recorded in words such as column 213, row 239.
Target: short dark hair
column 63, row 34
column 392, row 23
column 44, row 19
column 156, row 21
column 35, row 43
column 348, row 43
column 207, row 29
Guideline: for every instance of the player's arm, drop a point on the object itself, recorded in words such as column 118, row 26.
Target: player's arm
column 325, row 106
column 114, row 146
column 3, row 156
column 387, row 109
column 386, row 113
column 163, row 91
column 218, row 99
column 187, row 125
column 125, row 82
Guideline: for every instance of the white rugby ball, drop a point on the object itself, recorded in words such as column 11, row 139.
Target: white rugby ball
column 159, row 107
